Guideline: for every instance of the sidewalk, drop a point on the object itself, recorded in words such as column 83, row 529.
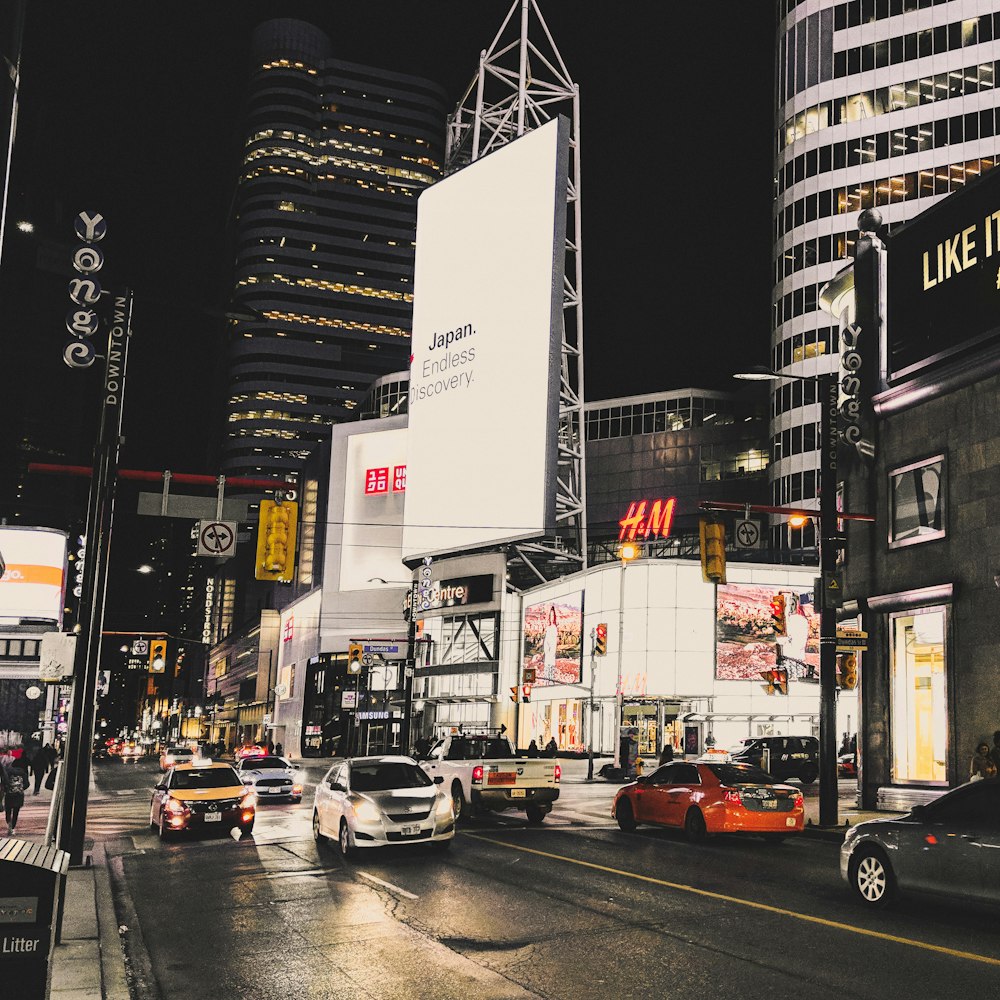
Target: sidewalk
column 88, row 963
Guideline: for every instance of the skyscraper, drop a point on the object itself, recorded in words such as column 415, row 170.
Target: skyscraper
column 889, row 104
column 335, row 156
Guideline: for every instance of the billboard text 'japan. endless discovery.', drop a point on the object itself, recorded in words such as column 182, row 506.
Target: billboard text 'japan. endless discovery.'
column 487, row 329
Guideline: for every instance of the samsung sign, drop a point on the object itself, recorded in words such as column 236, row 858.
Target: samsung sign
column 944, row 280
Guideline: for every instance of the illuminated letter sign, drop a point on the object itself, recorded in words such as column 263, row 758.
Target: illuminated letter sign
column 637, row 523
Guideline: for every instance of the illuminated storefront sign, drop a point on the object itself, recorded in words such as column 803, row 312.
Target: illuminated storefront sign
column 386, row 479
column 645, row 518
column 455, row 593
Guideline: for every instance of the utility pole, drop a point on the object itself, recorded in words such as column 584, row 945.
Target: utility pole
column 590, row 709
column 408, row 670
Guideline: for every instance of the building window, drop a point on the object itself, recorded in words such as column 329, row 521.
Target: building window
column 917, row 498
column 918, row 712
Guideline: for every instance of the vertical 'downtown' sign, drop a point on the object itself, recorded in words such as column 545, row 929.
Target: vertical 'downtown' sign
column 83, row 321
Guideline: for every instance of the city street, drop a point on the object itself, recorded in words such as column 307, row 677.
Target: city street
column 574, row 908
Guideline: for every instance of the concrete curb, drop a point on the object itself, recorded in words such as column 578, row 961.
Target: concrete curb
column 114, row 979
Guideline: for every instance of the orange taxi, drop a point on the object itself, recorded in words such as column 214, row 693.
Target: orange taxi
column 202, row 795
column 711, row 795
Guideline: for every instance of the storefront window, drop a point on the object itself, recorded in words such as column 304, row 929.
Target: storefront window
column 918, row 709
column 918, row 493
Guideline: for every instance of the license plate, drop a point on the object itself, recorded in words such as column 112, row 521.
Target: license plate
column 501, row 778
column 770, row 803
column 213, row 817
column 276, row 791
column 517, row 793
column 411, row 831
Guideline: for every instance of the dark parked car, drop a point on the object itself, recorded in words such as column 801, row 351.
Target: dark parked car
column 949, row 847
column 783, row 757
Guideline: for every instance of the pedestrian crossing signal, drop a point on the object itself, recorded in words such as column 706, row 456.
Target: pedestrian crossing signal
column 526, row 692
column 601, row 640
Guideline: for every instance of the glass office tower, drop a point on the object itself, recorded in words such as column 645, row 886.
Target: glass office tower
column 889, row 104
column 325, row 218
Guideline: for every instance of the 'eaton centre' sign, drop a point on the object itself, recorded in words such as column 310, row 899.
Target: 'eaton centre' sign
column 944, row 279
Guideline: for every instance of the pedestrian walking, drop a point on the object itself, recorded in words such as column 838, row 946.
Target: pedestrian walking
column 532, row 749
column 38, row 764
column 14, row 778
column 551, row 748
column 270, row 749
column 279, row 750
column 982, row 765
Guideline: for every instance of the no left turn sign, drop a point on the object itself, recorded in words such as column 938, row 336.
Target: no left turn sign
column 216, row 538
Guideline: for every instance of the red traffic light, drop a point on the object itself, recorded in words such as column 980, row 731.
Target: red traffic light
column 778, row 614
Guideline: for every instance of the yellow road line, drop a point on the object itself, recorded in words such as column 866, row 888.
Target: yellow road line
column 708, row 894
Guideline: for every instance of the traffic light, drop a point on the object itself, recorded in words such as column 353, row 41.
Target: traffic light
column 526, row 692
column 712, row 535
column 768, row 684
column 847, row 674
column 354, row 653
column 778, row 622
column 513, row 694
column 601, row 639
column 276, row 540
column 157, row 656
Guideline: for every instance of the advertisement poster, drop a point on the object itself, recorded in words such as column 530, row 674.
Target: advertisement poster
column 746, row 643
column 553, row 640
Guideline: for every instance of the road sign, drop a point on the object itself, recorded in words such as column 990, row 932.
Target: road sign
column 266, row 721
column 216, row 538
column 367, row 659
column 529, row 675
column 833, row 590
column 140, row 647
column 851, row 640
column 747, row 534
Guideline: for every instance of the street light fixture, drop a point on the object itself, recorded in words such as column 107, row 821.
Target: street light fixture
column 627, row 551
column 827, row 393
column 145, row 569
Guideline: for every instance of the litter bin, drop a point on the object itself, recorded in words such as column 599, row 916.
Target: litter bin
column 32, row 877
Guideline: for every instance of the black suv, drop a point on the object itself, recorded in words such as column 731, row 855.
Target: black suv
column 789, row 756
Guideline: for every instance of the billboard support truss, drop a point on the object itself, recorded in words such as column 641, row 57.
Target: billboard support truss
column 523, row 83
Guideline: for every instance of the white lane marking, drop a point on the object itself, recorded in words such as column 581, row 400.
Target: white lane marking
column 388, row 885
column 296, row 874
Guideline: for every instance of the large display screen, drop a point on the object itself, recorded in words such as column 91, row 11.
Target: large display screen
column 374, row 489
column 745, row 640
column 943, row 293
column 34, row 580
column 487, row 335
column 553, row 640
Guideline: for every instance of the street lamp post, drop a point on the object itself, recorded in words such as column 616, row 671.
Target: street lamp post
column 827, row 391
column 626, row 553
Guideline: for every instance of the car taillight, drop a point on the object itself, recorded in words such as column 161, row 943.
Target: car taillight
column 558, row 772
column 477, row 774
column 732, row 795
column 799, row 801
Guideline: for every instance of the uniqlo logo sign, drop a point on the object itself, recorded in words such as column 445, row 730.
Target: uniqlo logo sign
column 380, row 481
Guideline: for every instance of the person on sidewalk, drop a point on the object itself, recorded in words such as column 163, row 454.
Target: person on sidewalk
column 14, row 777
column 995, row 750
column 667, row 753
column 982, row 765
column 38, row 765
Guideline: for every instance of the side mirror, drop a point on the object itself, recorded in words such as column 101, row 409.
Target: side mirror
column 438, row 779
column 248, row 781
column 161, row 787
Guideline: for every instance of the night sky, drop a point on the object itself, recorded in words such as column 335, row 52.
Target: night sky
column 134, row 110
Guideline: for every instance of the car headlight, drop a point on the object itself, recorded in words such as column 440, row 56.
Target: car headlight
column 366, row 811
column 444, row 807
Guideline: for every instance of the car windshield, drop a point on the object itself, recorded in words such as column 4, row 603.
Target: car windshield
column 211, row 777
column 740, row 774
column 382, row 777
column 263, row 763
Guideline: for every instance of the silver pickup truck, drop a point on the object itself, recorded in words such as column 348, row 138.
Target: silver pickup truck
column 484, row 773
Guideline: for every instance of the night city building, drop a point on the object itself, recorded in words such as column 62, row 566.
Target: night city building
column 888, row 105
column 325, row 219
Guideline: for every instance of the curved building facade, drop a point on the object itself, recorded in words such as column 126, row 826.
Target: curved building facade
column 887, row 104
column 335, row 156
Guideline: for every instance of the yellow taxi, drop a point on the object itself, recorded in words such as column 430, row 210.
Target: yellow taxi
column 204, row 794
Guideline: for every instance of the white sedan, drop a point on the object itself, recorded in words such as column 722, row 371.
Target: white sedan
column 270, row 778
column 376, row 801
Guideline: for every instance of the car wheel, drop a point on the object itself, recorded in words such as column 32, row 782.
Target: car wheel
column 344, row 840
column 535, row 814
column 694, row 825
column 164, row 832
column 872, row 878
column 458, row 797
column 808, row 777
column 625, row 815
column 318, row 834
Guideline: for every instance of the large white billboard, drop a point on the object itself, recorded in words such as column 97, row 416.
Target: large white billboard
column 375, row 484
column 487, row 334
column 34, row 579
